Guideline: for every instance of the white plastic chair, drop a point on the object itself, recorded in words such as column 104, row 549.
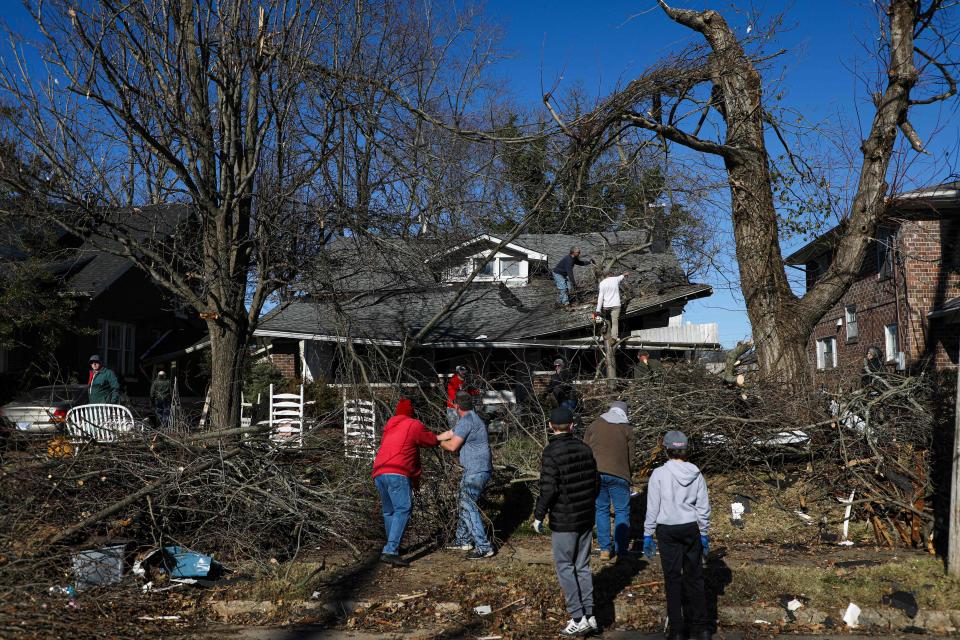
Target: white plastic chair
column 286, row 418
column 99, row 422
column 359, row 429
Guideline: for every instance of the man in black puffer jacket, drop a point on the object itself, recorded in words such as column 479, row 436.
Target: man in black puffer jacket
column 569, row 484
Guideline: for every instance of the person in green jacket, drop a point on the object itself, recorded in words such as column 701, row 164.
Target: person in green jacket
column 102, row 386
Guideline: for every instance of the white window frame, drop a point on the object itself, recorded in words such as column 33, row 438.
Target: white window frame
column 126, row 364
column 850, row 317
column 891, row 339
column 822, row 343
column 460, row 273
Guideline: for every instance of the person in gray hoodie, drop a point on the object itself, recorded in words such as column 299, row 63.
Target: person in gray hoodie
column 678, row 511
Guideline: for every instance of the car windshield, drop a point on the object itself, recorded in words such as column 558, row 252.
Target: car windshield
column 53, row 394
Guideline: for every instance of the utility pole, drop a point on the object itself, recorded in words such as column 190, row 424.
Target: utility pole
column 953, row 531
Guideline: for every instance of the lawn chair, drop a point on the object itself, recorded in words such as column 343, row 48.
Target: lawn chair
column 286, row 418
column 359, row 429
column 99, row 422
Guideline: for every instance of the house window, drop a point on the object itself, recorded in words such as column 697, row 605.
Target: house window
column 892, row 338
column 117, row 346
column 486, row 270
column 850, row 311
column 509, row 268
column 826, row 353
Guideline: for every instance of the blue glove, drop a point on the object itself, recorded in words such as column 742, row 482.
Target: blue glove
column 705, row 541
column 649, row 547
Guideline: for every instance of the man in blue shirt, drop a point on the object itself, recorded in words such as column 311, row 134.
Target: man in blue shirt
column 469, row 437
column 563, row 275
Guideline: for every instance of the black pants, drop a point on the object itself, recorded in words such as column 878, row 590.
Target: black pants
column 681, row 555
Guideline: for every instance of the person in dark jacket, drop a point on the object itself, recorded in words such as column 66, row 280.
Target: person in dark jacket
column 396, row 472
column 610, row 437
column 568, row 488
column 102, row 385
column 161, row 391
column 559, row 392
column 647, row 370
column 563, row 274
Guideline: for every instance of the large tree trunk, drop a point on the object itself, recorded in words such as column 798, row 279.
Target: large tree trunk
column 781, row 322
column 227, row 353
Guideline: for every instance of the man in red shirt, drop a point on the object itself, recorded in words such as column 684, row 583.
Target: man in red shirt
column 454, row 385
column 396, row 470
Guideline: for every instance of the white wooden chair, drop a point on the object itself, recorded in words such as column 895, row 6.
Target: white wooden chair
column 99, row 422
column 286, row 418
column 359, row 429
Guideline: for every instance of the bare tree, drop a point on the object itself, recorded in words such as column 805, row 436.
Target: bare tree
column 722, row 85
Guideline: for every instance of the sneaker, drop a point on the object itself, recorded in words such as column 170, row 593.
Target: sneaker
column 605, row 555
column 394, row 559
column 476, row 554
column 575, row 628
column 592, row 621
column 459, row 547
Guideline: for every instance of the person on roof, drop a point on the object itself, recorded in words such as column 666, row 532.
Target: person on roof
column 608, row 300
column 396, row 472
column 563, row 274
column 457, row 382
column 102, row 385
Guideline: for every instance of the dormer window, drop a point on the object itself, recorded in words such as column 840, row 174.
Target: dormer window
column 511, row 265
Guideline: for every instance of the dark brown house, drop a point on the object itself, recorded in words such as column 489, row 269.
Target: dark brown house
column 906, row 300
column 120, row 313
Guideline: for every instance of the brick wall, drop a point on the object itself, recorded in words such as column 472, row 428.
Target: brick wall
column 929, row 253
column 287, row 363
column 925, row 276
column 876, row 307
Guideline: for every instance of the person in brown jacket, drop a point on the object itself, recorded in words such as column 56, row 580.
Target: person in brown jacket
column 610, row 437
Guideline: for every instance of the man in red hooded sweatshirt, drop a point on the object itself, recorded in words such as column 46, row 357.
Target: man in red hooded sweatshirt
column 396, row 471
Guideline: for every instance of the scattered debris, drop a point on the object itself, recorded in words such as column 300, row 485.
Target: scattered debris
column 483, row 610
column 852, row 615
column 794, row 605
column 846, row 516
column 759, row 621
column 904, row 601
column 98, row 567
column 158, row 618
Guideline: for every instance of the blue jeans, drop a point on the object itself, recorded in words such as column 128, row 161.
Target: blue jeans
column 397, row 500
column 617, row 491
column 470, row 528
column 563, row 288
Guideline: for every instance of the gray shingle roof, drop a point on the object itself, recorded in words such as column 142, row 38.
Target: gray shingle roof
column 385, row 290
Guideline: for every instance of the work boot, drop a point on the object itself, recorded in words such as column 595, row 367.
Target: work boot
column 676, row 634
column 605, row 554
column 394, row 559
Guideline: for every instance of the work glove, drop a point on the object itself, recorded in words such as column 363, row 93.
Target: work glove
column 649, row 547
column 705, row 542
column 538, row 526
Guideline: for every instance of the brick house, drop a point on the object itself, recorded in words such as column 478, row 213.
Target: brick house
column 906, row 299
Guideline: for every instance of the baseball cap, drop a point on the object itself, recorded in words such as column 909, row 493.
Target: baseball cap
column 559, row 362
column 561, row 415
column 461, row 369
column 675, row 440
column 95, row 358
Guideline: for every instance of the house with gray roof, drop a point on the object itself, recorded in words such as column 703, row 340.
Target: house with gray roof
column 120, row 312
column 368, row 297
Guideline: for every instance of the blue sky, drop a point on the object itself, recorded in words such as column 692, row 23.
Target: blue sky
column 598, row 44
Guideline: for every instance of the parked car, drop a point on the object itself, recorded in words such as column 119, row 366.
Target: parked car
column 44, row 409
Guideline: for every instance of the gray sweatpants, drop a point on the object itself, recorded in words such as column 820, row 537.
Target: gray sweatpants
column 571, row 556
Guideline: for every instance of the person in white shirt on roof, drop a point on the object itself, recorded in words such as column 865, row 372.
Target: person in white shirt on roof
column 608, row 300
